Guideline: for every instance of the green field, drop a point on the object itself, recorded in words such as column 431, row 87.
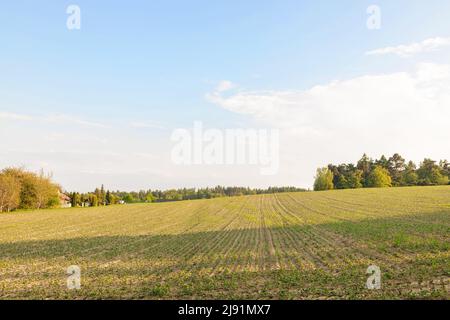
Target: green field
column 314, row 245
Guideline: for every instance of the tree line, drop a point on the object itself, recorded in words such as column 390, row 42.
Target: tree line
column 381, row 173
column 102, row 197
column 20, row 189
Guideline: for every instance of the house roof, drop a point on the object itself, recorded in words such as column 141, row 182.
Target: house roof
column 64, row 197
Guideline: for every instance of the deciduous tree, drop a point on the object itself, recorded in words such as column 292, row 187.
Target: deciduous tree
column 9, row 192
column 380, row 178
column 323, row 180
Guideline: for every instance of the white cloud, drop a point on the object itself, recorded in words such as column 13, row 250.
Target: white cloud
column 406, row 112
column 409, row 50
column 361, row 100
column 14, row 116
column 147, row 125
column 62, row 118
column 52, row 118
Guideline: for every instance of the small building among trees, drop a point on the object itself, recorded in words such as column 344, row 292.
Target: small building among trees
column 64, row 200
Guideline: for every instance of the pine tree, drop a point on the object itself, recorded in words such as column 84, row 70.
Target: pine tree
column 102, row 199
column 108, row 198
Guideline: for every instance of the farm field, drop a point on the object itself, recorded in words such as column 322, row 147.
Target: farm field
column 314, row 245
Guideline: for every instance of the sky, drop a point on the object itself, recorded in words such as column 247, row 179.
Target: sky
column 99, row 104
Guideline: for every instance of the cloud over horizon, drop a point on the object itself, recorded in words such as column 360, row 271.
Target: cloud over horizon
column 404, row 112
column 51, row 118
column 351, row 103
column 405, row 51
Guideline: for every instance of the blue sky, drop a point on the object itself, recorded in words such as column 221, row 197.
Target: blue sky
column 153, row 62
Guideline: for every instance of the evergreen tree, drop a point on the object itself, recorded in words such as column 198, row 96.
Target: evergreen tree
column 410, row 177
column 365, row 164
column 102, row 198
column 396, row 167
column 430, row 174
column 108, row 198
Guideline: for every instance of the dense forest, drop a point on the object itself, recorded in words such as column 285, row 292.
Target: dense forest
column 381, row 173
column 101, row 197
